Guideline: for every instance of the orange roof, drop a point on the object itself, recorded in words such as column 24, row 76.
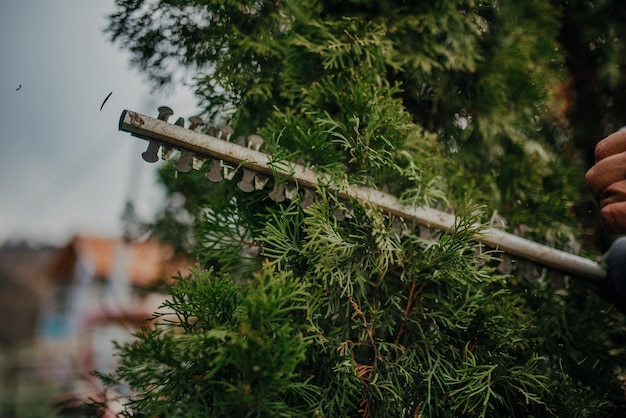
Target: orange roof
column 149, row 261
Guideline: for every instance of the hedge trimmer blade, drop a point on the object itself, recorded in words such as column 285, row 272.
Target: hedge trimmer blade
column 199, row 145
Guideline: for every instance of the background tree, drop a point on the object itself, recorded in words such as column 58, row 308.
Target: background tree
column 442, row 103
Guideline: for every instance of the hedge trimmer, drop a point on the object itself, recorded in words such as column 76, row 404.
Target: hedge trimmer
column 199, row 145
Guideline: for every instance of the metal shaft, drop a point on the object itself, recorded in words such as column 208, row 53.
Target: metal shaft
column 153, row 129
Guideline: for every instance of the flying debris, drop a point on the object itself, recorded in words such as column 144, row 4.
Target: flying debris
column 18, row 88
column 105, row 100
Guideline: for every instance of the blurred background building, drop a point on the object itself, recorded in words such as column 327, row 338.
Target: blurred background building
column 61, row 309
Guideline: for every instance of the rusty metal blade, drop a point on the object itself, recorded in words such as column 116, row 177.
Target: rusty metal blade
column 208, row 146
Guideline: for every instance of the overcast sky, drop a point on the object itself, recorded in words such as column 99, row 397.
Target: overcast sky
column 64, row 166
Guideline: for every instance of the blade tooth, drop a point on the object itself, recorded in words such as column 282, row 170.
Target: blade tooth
column 225, row 132
column 425, row 232
column 184, row 163
column 151, row 155
column 339, row 214
column 246, row 184
column 229, row 170
column 260, row 181
column 195, row 122
column 290, row 191
column 532, row 272
column 278, row 194
column 215, row 174
column 255, row 142
column 346, row 207
column 197, row 162
column 180, row 122
column 307, row 198
column 164, row 113
column 506, row 265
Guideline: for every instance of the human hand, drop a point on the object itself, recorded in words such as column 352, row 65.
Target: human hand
column 607, row 181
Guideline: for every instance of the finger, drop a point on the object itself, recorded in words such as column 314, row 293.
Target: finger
column 615, row 193
column 609, row 170
column 614, row 217
column 611, row 145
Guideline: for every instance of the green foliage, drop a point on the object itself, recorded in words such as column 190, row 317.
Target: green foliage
column 481, row 75
column 411, row 326
column 352, row 312
column 358, row 332
column 582, row 338
column 217, row 349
